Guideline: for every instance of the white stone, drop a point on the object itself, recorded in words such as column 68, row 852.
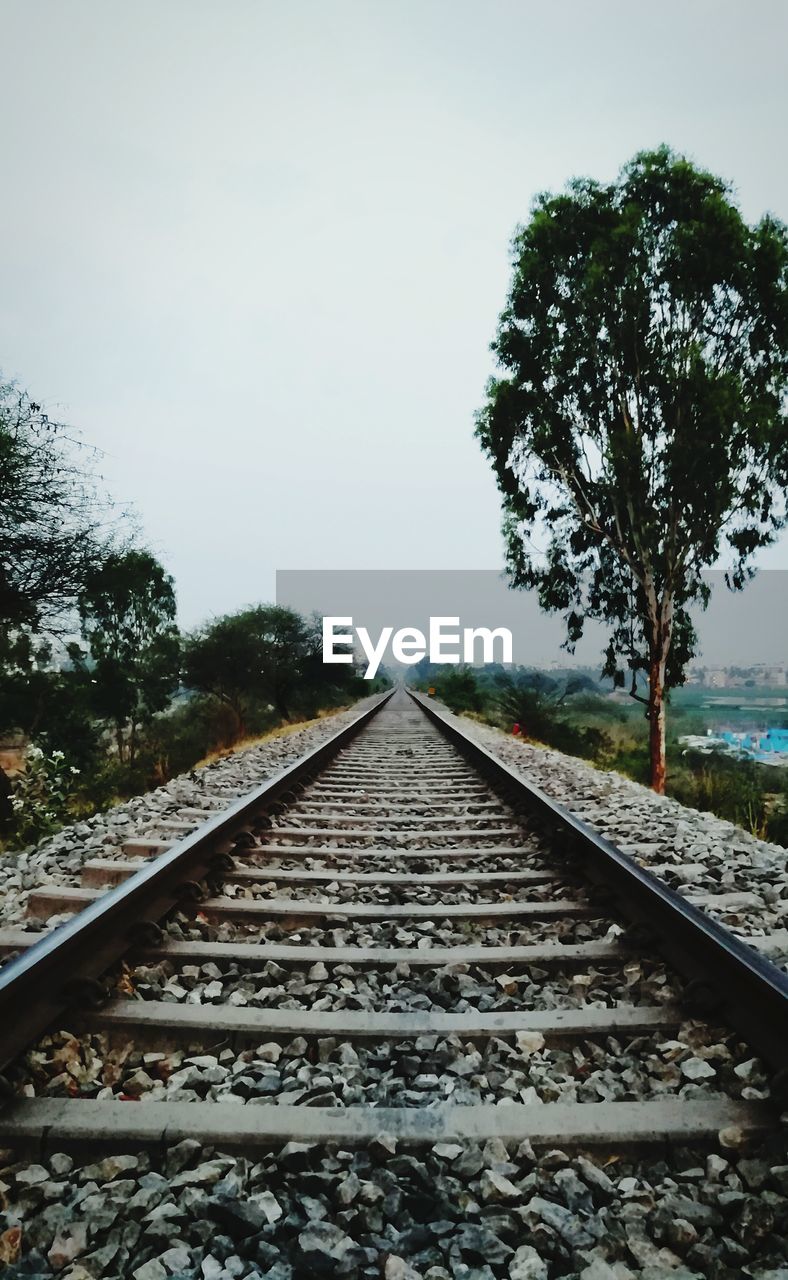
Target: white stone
column 494, row 1186
column 268, row 1203
column 529, row 1042
column 601, row 1270
column 527, row 1265
column 447, row 1150
column 697, row 1069
column 151, row 1270
column 399, row 1269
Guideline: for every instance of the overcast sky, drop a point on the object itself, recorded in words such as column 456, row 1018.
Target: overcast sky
column 255, row 251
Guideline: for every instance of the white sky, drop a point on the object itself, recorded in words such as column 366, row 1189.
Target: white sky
column 256, row 250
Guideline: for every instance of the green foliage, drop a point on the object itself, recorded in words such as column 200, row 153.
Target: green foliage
column 537, row 703
column 544, row 707
column 127, row 611
column 639, row 429
column 39, row 796
column 459, row 689
column 266, row 662
column 229, row 659
column 777, row 822
column 45, row 703
column 189, row 732
column 734, row 789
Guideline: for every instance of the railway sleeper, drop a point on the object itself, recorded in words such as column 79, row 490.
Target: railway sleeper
column 558, row 955
column 57, row 899
column 41, row 1126
column 166, row 1021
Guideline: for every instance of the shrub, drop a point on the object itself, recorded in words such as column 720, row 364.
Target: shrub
column 460, row 691
column 731, row 788
column 40, row 795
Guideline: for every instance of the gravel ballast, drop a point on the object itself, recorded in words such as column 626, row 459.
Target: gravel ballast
column 58, row 859
column 459, row 1211
column 700, row 1061
column 449, row 1213
column 697, row 854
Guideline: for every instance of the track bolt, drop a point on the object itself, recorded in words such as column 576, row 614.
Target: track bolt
column 244, row 840
column 222, row 863
column 262, row 822
column 87, row 992
column 146, row 933
column 778, row 1087
column 638, row 935
column 603, row 897
column 699, row 996
column 189, row 891
column 561, row 840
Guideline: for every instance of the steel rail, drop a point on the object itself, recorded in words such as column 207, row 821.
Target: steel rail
column 727, row 978
column 39, row 984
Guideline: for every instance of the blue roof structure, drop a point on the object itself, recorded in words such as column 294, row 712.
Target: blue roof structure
column 760, row 746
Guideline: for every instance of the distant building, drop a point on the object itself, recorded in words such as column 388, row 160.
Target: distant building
column 716, row 678
column 766, row 673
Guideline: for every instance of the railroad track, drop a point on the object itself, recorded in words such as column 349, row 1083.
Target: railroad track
column 395, row 941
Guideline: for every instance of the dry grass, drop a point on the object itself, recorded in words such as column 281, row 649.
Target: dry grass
column 281, row 731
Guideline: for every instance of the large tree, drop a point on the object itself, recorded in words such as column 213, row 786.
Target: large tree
column 263, row 657
column 52, row 518
column 638, row 430
column 127, row 610
column 256, row 656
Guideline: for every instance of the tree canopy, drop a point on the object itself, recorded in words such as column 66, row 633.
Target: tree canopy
column 255, row 655
column 127, row 610
column 267, row 655
column 638, row 432
column 52, row 519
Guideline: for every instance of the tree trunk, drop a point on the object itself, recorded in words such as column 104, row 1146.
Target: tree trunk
column 240, row 719
column 6, row 791
column 656, row 722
